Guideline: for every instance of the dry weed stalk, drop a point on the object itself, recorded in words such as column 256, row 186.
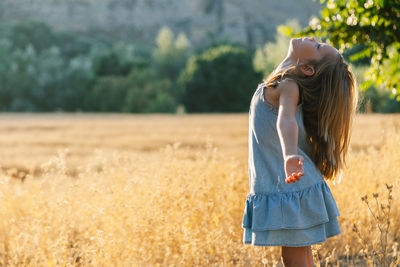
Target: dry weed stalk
column 382, row 217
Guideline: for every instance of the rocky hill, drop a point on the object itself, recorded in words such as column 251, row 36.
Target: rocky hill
column 251, row 21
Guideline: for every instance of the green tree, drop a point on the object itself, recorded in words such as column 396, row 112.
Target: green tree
column 139, row 92
column 170, row 56
column 41, row 37
column 220, row 79
column 374, row 24
column 33, row 81
column 107, row 94
column 120, row 59
column 148, row 93
column 23, row 33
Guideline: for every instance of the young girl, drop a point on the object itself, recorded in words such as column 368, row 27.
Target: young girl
column 300, row 123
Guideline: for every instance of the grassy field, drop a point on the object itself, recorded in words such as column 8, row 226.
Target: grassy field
column 162, row 190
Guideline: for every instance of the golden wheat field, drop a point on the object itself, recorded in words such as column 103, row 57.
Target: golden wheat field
column 169, row 190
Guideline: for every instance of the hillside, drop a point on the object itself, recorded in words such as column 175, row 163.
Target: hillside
column 251, row 23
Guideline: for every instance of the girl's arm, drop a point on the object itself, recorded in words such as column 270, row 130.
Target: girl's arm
column 286, row 123
column 288, row 129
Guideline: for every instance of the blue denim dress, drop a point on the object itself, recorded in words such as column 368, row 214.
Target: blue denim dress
column 277, row 213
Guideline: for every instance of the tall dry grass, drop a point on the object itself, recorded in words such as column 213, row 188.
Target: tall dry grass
column 170, row 190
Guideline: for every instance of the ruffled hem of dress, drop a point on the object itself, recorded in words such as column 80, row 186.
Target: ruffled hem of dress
column 293, row 237
column 290, row 210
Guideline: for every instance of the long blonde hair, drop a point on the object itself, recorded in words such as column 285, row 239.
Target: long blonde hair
column 329, row 106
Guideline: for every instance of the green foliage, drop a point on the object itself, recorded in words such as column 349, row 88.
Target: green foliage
column 41, row 37
column 43, row 70
column 24, row 33
column 140, row 91
column 147, row 93
column 374, row 99
column 373, row 24
column 110, row 65
column 33, row 81
column 107, row 94
column 218, row 80
column 46, row 70
column 352, row 55
column 170, row 56
column 120, row 59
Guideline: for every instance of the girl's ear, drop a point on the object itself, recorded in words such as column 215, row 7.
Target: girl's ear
column 307, row 69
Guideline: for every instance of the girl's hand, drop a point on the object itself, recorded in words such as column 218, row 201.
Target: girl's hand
column 294, row 168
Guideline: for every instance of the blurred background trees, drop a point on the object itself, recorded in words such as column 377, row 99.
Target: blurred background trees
column 47, row 70
column 221, row 79
column 43, row 69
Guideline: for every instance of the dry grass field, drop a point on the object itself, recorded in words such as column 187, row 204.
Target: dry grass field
column 169, row 190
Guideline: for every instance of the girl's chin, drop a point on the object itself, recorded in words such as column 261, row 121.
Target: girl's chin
column 290, row 52
column 292, row 46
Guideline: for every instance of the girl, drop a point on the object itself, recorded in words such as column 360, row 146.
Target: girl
column 300, row 121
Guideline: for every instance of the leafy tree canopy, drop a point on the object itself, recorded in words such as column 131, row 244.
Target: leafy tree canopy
column 375, row 25
column 221, row 79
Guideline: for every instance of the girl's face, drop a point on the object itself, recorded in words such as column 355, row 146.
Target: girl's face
column 304, row 49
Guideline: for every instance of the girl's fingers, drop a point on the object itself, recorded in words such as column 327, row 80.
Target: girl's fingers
column 294, row 176
column 291, row 178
